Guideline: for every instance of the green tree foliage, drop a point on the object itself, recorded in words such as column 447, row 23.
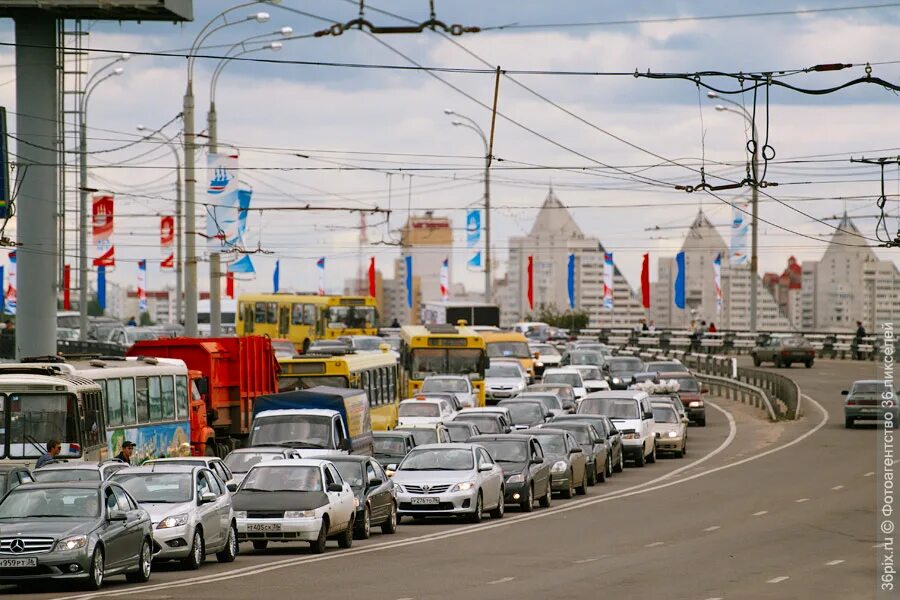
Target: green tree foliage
column 572, row 320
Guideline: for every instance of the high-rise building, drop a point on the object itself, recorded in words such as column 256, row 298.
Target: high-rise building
column 429, row 241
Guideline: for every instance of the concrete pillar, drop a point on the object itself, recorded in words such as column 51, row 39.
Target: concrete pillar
column 37, row 98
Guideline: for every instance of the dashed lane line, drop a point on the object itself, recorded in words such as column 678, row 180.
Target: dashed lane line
column 778, row 579
column 654, row 544
column 801, row 500
column 712, row 528
column 838, row 487
column 501, row 580
column 760, row 513
column 832, row 563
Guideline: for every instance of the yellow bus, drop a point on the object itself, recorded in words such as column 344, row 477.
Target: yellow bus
column 441, row 350
column 305, row 318
column 375, row 372
column 510, row 344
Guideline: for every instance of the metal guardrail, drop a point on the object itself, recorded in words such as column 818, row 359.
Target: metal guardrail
column 739, row 391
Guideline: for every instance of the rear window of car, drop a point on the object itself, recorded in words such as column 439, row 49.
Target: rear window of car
column 419, row 409
column 614, row 409
column 867, row 387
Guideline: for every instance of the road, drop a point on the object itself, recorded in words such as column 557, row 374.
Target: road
column 756, row 510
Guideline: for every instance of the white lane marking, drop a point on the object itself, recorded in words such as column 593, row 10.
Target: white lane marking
column 801, row 500
column 501, row 580
column 838, row 487
column 778, row 579
column 831, row 563
column 575, row 505
column 869, row 474
column 713, row 528
column 760, row 513
column 716, row 598
column 586, row 560
column 881, row 545
column 654, row 544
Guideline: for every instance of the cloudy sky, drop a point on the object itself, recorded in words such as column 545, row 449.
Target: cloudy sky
column 613, row 146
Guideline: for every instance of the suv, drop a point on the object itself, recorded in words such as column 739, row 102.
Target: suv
column 632, row 415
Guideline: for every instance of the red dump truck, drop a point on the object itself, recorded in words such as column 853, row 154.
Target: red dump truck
column 233, row 372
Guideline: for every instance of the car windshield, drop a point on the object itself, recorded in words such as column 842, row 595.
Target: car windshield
column 24, row 502
column 580, row 434
column 485, row 423
column 282, row 479
column 451, row 459
column 564, row 390
column 459, row 432
column 550, row 401
column 300, row 431
column 449, row 361
column 525, row 413
column 590, row 373
column 241, row 462
column 666, row 367
column 506, row 451
column 867, row 387
column 149, row 487
column 625, row 365
column 614, row 409
column 390, row 446
column 57, row 475
column 510, row 371
column 545, row 350
column 285, row 349
column 423, row 435
column 585, row 358
column 419, row 409
column 508, row 349
column 573, row 379
column 688, row 384
column 367, row 343
column 288, row 383
column 143, row 335
column 664, row 414
column 444, row 384
column 351, row 472
column 552, row 443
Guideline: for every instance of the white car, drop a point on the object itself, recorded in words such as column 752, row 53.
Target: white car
column 546, row 356
column 504, row 379
column 568, row 376
column 592, row 377
column 632, row 415
column 423, row 410
column 670, row 429
column 455, row 384
column 295, row 500
column 190, row 509
column 213, row 463
column 449, row 479
column 427, row 433
column 240, row 461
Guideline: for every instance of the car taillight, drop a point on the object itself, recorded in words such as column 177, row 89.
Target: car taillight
column 784, row 352
column 811, row 352
column 851, row 402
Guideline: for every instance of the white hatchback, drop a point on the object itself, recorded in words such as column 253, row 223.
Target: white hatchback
column 567, row 376
column 423, row 410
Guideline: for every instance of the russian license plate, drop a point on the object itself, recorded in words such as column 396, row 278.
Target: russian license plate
column 264, row 527
column 17, row 563
column 426, row 500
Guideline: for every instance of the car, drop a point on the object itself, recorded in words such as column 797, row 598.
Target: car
column 67, row 334
column 525, row 469
column 190, row 509
column 59, row 471
column 863, row 402
column 328, row 348
column 596, row 450
column 450, row 397
column 546, row 356
column 460, row 431
column 665, row 366
column 125, row 337
column 295, row 500
column 568, row 475
column 241, row 460
column 619, row 371
column 670, row 429
column 563, row 391
column 525, row 414
column 567, row 376
column 631, row 413
column 424, row 410
column 376, row 502
column 391, row 446
column 12, row 476
column 549, row 399
column 592, row 377
column 284, row 348
column 674, row 399
column 486, row 421
column 583, row 357
column 363, row 343
column 504, row 379
column 784, row 351
column 455, row 384
column 213, row 463
column 77, row 531
column 450, row 479
column 427, row 433
column 606, row 428
column 691, row 393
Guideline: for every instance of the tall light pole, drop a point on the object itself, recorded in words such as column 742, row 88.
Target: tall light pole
column 106, row 72
column 179, row 209
column 470, row 123
column 754, row 202
column 191, row 292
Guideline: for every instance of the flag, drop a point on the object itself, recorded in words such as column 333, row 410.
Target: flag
column 645, row 282
column 608, row 280
column 717, row 277
column 275, row 275
column 229, row 285
column 102, row 225
column 9, row 304
column 223, row 212
column 320, row 265
column 679, row 280
column 101, row 287
column 409, row 282
column 474, row 263
column 530, row 290
column 142, row 286
column 445, row 279
column 2, row 296
column 166, row 240
column 67, row 287
column 571, row 281
column 242, row 265
column 473, row 227
column 739, row 231
column 372, row 277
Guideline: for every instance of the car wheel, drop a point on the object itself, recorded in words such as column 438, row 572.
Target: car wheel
column 142, row 573
column 684, row 447
column 346, row 538
column 527, row 503
column 592, row 476
column 679, row 453
column 787, row 364
column 778, row 363
column 96, row 571
column 390, row 526
column 570, row 491
column 198, row 552
column 209, row 448
column 652, row 457
column 364, row 528
column 478, row 514
column 808, row 364
column 848, row 422
column 620, row 466
column 230, row 551
column 581, row 490
column 318, row 546
column 756, row 361
column 608, row 467
column 260, row 544
column 701, row 421
column 497, row 513
column 641, row 460
column 547, row 498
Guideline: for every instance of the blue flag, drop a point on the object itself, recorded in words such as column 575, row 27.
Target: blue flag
column 475, row 262
column 2, row 294
column 101, row 287
column 571, row 281
column 242, row 265
column 679, row 280
column 409, row 282
column 473, row 227
column 275, row 275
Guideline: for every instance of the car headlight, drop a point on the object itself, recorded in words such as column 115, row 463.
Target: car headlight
column 173, row 521
column 616, row 380
column 673, row 434
column 399, row 488
column 299, row 514
column 240, row 514
column 695, row 404
column 463, row 487
column 632, row 436
column 517, row 478
column 559, row 466
column 71, row 543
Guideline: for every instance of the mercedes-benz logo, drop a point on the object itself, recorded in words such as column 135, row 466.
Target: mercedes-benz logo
column 17, row 545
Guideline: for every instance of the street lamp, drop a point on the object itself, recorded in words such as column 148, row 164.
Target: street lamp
column 470, row 123
column 103, row 73
column 754, row 202
column 179, row 209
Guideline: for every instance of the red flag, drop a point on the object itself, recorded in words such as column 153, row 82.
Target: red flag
column 530, row 283
column 372, row 276
column 67, row 287
column 102, row 224
column 229, row 285
column 645, row 282
column 166, row 239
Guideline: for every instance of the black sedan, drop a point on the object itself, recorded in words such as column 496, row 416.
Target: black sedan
column 525, row 468
column 606, row 428
column 12, row 476
column 374, row 490
column 594, row 446
column 782, row 352
column 461, row 431
column 391, row 447
column 619, row 371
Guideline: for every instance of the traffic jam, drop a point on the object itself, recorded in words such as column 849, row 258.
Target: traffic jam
column 189, row 449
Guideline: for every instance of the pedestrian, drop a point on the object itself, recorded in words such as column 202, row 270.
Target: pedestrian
column 644, row 326
column 9, row 325
column 53, row 448
column 858, row 339
column 395, row 323
column 652, row 326
column 127, row 451
column 712, row 328
column 131, row 322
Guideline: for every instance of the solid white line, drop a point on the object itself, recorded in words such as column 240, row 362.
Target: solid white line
column 869, row 474
column 760, row 513
column 713, row 528
column 585, row 560
column 501, row 580
column 575, row 505
column 801, row 500
column 654, row 544
column 778, row 579
column 831, row 563
column 838, row 487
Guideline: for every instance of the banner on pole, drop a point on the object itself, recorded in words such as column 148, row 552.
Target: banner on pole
column 445, row 279
column 276, row 276
column 530, row 289
column 67, row 287
column 101, row 287
column 740, row 229
column 320, row 266
column 166, row 241
column 9, row 304
column 102, row 225
column 409, row 282
column 222, row 201
column 372, row 290
column 608, row 280
column 717, row 277
column 570, row 281
column 680, row 280
column 473, row 227
column 474, row 263
column 142, row 286
column 645, row 281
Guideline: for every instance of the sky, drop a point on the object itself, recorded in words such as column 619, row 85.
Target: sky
column 612, row 146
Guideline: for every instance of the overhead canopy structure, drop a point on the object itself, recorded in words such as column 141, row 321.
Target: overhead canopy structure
column 108, row 10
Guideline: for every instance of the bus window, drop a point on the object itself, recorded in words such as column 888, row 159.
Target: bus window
column 113, row 402
column 94, row 431
column 272, row 313
column 37, row 418
column 167, row 385
column 364, row 379
column 142, row 400
column 260, row 316
column 382, row 385
column 181, row 398
column 309, row 314
column 155, row 399
column 284, row 321
column 246, row 315
column 129, row 402
column 392, row 386
column 296, row 314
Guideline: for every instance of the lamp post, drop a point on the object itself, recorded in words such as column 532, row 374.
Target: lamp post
column 754, row 202
column 96, row 79
column 179, row 209
column 470, row 123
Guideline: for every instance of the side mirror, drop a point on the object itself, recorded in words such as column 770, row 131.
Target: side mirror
column 116, row 515
column 704, row 389
column 648, row 415
column 346, row 445
column 685, row 420
column 207, row 497
column 536, row 461
column 392, row 467
column 844, row 392
column 335, row 487
column 232, row 487
column 575, row 450
column 375, row 483
column 485, row 468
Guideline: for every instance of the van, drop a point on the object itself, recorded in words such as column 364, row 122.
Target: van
column 514, row 345
column 632, row 414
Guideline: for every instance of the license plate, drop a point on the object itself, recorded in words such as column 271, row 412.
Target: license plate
column 17, row 563
column 264, row 527
column 432, row 500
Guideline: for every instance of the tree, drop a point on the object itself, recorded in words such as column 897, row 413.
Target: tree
column 572, row 320
column 94, row 309
column 145, row 319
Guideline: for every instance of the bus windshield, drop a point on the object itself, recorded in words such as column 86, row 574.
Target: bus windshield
column 34, row 419
column 508, row 350
column 351, row 317
column 289, row 383
column 442, row 361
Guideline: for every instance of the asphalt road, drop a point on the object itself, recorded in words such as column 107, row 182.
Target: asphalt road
column 756, row 510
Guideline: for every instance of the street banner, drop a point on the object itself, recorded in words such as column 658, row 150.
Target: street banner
column 409, row 282
column 530, row 290
column 372, row 277
column 445, row 279
column 102, row 225
column 9, row 304
column 473, row 227
column 229, row 285
column 570, row 281
column 142, row 286
column 166, row 241
column 320, row 266
column 276, row 276
column 101, row 287
column 717, row 277
column 679, row 280
column 223, row 221
column 608, row 280
column 740, row 229
column 645, row 281
column 474, row 263
column 67, row 287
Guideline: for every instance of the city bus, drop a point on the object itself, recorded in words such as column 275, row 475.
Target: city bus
column 510, row 344
column 305, row 318
column 441, row 350
column 375, row 372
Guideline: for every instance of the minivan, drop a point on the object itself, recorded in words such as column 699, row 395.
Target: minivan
column 632, row 414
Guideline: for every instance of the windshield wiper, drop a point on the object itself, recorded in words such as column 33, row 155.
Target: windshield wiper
column 290, row 444
column 252, row 489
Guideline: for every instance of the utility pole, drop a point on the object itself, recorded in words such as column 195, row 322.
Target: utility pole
column 190, row 217
column 215, row 259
